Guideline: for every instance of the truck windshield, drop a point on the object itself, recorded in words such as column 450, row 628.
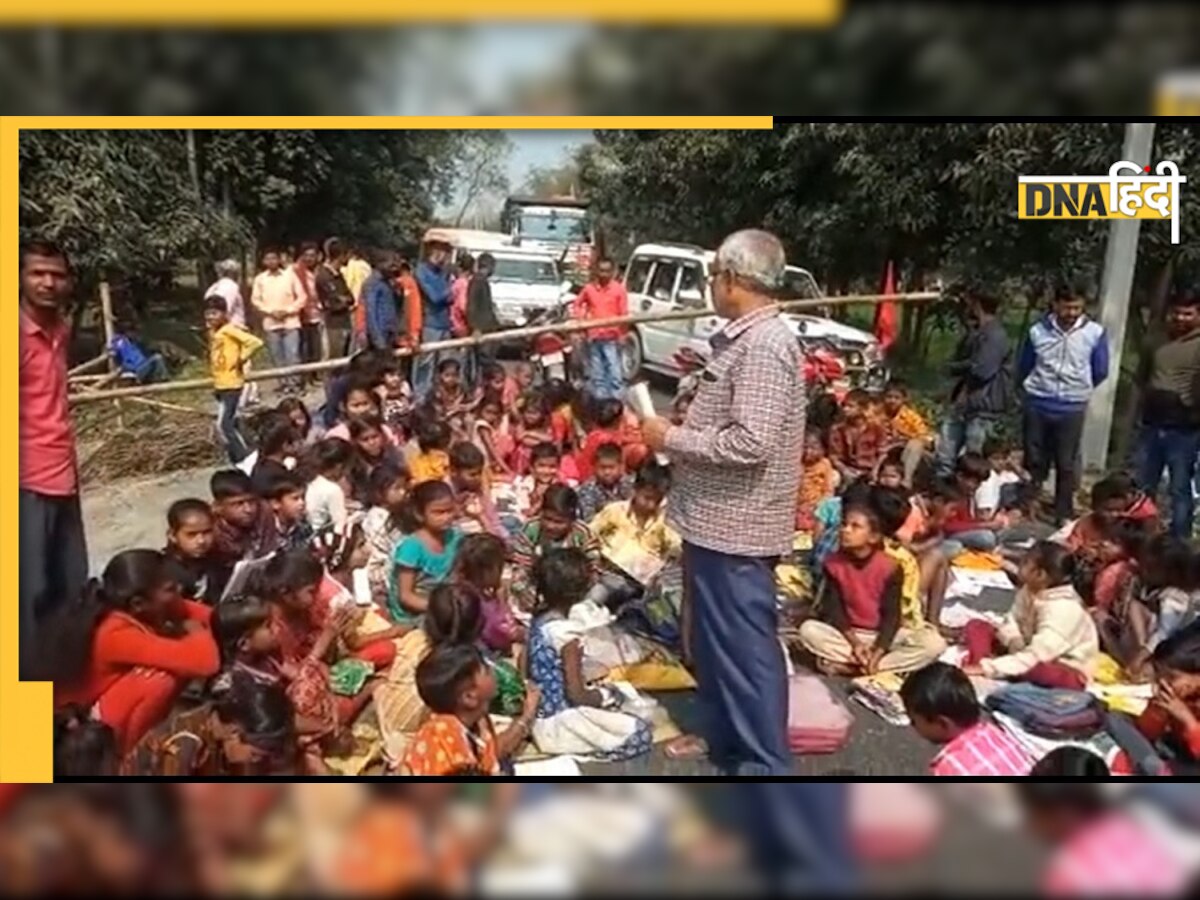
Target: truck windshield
column 527, row 271
column 799, row 285
column 566, row 229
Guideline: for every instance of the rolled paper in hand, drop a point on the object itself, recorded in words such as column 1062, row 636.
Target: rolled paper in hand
column 640, row 401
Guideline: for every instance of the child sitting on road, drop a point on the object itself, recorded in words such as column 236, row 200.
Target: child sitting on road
column 859, row 631
column 431, row 462
column 476, row 511
column 383, row 525
column 893, row 507
column 425, row 557
column 1048, row 637
column 244, row 527
column 279, row 445
column 1114, row 497
column 285, row 495
column 450, row 401
column 907, row 426
column 397, row 398
column 963, row 526
column 361, row 398
column 856, row 442
column 557, row 526
column 326, row 495
column 607, row 428
column 608, row 484
column 531, row 430
column 1172, row 719
column 635, row 539
column 818, row 481
column 545, row 467
column 999, row 490
column 1167, row 574
column 189, row 552
column 942, row 705
column 479, row 569
column 493, row 437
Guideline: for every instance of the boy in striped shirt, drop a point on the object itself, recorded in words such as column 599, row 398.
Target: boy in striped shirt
column 941, row 704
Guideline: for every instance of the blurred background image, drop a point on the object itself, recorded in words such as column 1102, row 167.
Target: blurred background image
column 933, row 58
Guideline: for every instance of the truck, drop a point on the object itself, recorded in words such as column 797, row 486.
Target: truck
column 561, row 226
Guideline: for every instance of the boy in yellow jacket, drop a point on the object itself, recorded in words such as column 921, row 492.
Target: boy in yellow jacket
column 229, row 349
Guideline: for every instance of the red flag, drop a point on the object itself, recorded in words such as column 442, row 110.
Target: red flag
column 887, row 315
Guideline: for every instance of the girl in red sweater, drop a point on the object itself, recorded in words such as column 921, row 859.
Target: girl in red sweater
column 130, row 645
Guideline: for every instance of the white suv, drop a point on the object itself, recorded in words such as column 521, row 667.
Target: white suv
column 666, row 277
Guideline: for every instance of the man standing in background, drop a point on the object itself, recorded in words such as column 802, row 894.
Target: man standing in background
column 1169, row 378
column 604, row 298
column 335, row 300
column 1064, row 359
column 481, row 311
column 52, row 546
column 313, row 338
column 279, row 297
column 433, row 280
column 355, row 272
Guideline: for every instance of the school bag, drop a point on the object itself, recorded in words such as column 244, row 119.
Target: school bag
column 817, row 721
column 1049, row 712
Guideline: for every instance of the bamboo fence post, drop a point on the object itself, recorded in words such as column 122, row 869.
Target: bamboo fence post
column 106, row 315
column 85, row 366
column 498, row 337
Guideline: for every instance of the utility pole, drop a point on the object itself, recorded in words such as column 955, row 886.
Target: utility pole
column 1120, row 261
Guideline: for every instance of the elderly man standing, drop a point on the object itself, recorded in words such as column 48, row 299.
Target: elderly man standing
column 53, row 553
column 737, row 473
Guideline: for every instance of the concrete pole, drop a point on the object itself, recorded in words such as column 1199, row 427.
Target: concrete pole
column 1120, row 260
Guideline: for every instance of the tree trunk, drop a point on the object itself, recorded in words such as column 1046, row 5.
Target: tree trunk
column 194, row 174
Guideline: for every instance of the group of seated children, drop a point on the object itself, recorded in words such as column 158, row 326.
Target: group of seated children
column 370, row 562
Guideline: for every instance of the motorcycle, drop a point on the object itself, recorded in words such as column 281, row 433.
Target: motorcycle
column 551, row 352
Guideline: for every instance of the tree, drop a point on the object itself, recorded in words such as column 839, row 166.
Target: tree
column 480, row 163
column 553, row 181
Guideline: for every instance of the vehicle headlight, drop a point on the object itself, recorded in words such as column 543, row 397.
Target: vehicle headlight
column 854, row 358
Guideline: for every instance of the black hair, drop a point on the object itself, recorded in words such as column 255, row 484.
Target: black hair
column 466, row 457
column 857, row 396
column 357, row 426
column 1166, row 561
column 363, row 383
column 1113, row 487
column 866, row 509
column 973, row 465
column 1072, row 288
column 941, row 690
column 453, row 616
column 445, row 365
column 819, row 436
column 856, row 494
column 381, row 479
column 277, row 432
column 892, row 459
column 988, row 302
column 1069, row 762
column 1184, row 297
column 1055, row 560
column 561, row 500
column 610, row 452
column 562, row 577
column 288, row 405
column 305, row 246
column 432, row 434
column 444, row 672
column 229, row 483
column 262, row 712
column 1127, row 534
column 334, row 248
column 490, row 369
column 653, row 475
column 184, row 509
column 45, row 248
column 419, row 499
column 892, row 507
column 558, row 391
column 65, row 642
column 281, row 484
column 478, row 556
column 994, row 446
column 544, row 450
column 536, row 399
column 945, row 490
column 607, row 411
column 234, row 618
column 491, row 398
column 466, row 262
column 329, row 453
column 287, row 572
column 83, row 746
column 216, row 303
column 896, row 384
column 364, row 366
column 1181, row 651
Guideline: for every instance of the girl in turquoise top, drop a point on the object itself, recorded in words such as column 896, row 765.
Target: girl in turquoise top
column 426, row 556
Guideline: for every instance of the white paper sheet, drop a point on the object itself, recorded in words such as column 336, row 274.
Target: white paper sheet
column 554, row 767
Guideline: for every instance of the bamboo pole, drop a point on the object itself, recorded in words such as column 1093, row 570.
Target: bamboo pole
column 85, row 366
column 106, row 314
column 200, row 384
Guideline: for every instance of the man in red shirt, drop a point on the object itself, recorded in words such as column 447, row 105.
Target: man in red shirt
column 53, row 554
column 604, row 298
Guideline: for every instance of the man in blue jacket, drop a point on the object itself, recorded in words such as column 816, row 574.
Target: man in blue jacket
column 382, row 309
column 1064, row 358
column 434, row 282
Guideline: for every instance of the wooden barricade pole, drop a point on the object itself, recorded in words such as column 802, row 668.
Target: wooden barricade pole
column 106, row 314
column 499, row 337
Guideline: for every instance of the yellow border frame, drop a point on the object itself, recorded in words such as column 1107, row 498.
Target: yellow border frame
column 26, row 708
column 305, row 13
